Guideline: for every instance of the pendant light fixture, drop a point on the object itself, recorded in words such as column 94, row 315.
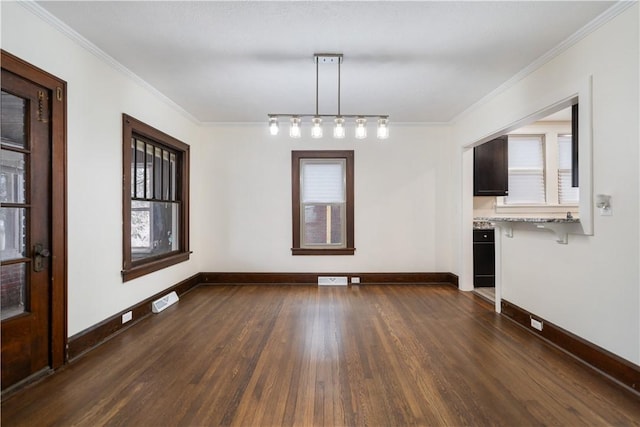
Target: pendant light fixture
column 361, row 128
column 273, row 126
column 383, row 128
column 316, row 128
column 339, row 130
column 294, row 130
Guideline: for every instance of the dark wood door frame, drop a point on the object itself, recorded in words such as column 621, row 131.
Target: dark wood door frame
column 58, row 90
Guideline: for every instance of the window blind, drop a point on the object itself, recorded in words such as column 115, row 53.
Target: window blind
column 323, row 182
column 566, row 193
column 526, row 170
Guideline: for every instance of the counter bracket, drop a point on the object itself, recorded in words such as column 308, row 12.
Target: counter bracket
column 560, row 229
column 562, row 235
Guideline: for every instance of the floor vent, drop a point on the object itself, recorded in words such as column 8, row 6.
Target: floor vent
column 332, row 281
column 160, row 304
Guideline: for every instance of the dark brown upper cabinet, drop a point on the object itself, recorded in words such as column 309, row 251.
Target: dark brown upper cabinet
column 491, row 168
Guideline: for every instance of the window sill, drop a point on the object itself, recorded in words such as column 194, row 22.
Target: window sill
column 305, row 251
column 151, row 266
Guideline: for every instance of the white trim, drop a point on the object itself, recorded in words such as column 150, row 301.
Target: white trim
column 585, row 155
column 73, row 35
column 526, row 121
column 583, row 32
column 584, row 96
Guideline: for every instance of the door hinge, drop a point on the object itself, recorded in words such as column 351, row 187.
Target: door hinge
column 43, row 106
column 59, row 93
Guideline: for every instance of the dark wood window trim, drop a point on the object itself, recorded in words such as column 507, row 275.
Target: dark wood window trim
column 296, row 156
column 131, row 128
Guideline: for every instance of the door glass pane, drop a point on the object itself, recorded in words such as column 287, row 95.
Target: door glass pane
column 12, row 233
column 12, row 178
column 13, row 120
column 154, row 228
column 12, row 290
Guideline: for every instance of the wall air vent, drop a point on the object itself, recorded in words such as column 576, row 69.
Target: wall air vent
column 160, row 304
column 332, row 281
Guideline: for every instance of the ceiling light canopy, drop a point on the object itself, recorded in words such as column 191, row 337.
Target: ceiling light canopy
column 339, row 130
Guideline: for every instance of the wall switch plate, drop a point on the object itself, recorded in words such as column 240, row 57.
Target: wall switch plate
column 606, row 211
column 536, row 324
column 127, row 316
column 355, row 280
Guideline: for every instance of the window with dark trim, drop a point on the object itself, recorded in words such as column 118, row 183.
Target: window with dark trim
column 322, row 202
column 155, row 199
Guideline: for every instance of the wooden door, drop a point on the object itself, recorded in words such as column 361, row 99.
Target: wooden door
column 26, row 230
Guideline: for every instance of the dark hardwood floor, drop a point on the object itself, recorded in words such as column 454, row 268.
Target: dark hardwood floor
column 301, row 356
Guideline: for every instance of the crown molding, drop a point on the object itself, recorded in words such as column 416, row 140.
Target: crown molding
column 597, row 22
column 76, row 37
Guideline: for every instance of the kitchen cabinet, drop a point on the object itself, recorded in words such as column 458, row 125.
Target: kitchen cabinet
column 484, row 258
column 491, row 168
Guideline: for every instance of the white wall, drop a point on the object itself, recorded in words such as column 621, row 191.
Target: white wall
column 413, row 192
column 591, row 286
column 400, row 185
column 97, row 96
column 240, row 185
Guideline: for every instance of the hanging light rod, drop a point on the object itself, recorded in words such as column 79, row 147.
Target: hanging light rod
column 339, row 118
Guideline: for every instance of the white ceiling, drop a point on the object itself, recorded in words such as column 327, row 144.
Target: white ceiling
column 237, row 61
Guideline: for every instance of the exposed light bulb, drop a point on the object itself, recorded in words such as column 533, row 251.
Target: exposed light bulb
column 273, row 126
column 294, row 130
column 361, row 128
column 338, row 130
column 383, row 128
column 316, row 129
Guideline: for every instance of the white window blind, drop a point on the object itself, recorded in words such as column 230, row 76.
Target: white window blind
column 566, row 193
column 526, row 170
column 323, row 182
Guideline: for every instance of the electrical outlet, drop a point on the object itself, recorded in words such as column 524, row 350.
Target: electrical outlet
column 536, row 324
column 355, row 280
column 127, row 316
